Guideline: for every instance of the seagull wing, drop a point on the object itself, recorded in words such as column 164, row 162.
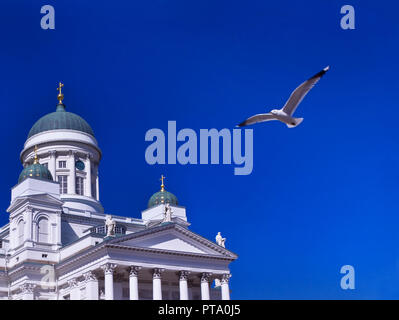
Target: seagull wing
column 262, row 117
column 299, row 93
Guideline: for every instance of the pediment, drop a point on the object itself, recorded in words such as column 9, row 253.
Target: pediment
column 166, row 241
column 173, row 237
column 42, row 198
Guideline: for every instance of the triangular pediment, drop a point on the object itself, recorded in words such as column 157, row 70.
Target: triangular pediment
column 173, row 237
column 42, row 198
column 166, row 241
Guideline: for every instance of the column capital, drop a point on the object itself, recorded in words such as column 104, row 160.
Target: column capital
column 73, row 283
column 134, row 271
column 183, row 275
column 205, row 277
column 225, row 278
column 108, row 268
column 90, row 276
column 157, row 273
column 27, row 288
column 89, row 156
column 52, row 153
column 73, row 153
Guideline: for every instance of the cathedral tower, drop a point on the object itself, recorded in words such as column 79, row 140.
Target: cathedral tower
column 68, row 148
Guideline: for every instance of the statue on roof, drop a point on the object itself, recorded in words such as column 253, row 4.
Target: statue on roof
column 110, row 225
column 168, row 213
column 219, row 240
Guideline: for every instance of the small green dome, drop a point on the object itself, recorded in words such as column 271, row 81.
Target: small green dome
column 35, row 170
column 162, row 196
column 60, row 119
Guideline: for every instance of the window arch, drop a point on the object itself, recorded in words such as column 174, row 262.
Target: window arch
column 42, row 230
column 20, row 232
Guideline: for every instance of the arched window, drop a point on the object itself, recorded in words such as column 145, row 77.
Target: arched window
column 20, row 230
column 42, row 232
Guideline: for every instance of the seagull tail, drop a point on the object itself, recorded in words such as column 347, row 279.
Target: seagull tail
column 296, row 122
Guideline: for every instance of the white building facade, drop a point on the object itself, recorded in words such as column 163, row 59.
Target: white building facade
column 59, row 244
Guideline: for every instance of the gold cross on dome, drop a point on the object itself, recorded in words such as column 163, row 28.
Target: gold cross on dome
column 162, row 185
column 60, row 85
column 60, row 94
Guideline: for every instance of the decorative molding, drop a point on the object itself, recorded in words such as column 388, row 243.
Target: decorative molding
column 72, row 153
column 134, row 271
column 90, row 276
column 89, row 156
column 205, row 277
column 183, row 275
column 157, row 273
column 108, row 268
column 52, row 153
column 184, row 231
column 27, row 288
column 114, row 243
column 225, row 278
column 73, row 283
column 29, row 209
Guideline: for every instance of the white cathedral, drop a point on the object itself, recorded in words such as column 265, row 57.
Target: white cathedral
column 60, row 245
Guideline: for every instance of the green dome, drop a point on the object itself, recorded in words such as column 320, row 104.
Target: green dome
column 37, row 171
column 60, row 119
column 162, row 196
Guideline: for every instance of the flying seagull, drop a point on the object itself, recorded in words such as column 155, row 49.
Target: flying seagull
column 286, row 112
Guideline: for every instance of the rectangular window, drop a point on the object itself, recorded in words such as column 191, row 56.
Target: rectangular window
column 63, row 184
column 61, row 164
column 79, row 185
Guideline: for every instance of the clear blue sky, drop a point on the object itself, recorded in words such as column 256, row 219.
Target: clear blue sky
column 320, row 196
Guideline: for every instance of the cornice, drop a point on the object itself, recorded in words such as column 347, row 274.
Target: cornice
column 170, row 252
column 180, row 229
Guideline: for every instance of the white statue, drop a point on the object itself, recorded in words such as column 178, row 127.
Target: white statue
column 110, row 224
column 168, row 213
column 219, row 240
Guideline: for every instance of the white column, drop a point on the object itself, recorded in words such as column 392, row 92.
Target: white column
column 72, row 173
column 74, row 289
column 183, row 285
column 109, row 280
column 58, row 230
column 134, row 282
column 225, row 286
column 91, row 286
column 87, row 189
column 97, row 188
column 28, row 291
column 157, row 284
column 52, row 164
column 205, row 286
column 28, row 225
